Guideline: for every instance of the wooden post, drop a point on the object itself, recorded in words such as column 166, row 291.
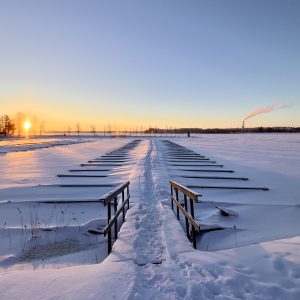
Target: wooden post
column 116, row 223
column 112, row 221
column 108, row 212
column 123, row 198
column 128, row 196
column 192, row 208
column 186, row 219
column 109, row 231
column 172, row 204
column 177, row 198
column 193, row 229
column 109, row 241
column 194, row 238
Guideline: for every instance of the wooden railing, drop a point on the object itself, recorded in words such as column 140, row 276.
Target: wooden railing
column 190, row 197
column 111, row 199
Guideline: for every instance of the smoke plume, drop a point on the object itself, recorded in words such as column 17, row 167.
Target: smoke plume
column 266, row 109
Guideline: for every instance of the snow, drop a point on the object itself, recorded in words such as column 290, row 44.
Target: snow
column 28, row 168
column 268, row 160
column 53, row 211
column 256, row 256
column 17, row 145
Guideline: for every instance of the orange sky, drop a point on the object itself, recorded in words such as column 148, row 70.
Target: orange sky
column 60, row 115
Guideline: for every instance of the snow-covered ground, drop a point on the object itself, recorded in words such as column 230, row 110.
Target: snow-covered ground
column 19, row 144
column 255, row 256
column 267, row 160
column 39, row 210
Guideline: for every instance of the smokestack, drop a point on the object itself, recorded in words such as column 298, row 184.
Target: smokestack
column 243, row 125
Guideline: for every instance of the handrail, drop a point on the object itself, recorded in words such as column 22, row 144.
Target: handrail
column 189, row 217
column 190, row 193
column 112, row 221
column 186, row 214
column 114, row 218
column 112, row 194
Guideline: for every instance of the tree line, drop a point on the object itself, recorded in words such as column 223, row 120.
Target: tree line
column 7, row 126
column 223, row 130
column 15, row 126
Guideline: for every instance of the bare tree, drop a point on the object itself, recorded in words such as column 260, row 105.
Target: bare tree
column 34, row 125
column 42, row 127
column 19, row 120
column 78, row 128
column 109, row 129
column 7, row 126
column 69, row 130
column 93, row 130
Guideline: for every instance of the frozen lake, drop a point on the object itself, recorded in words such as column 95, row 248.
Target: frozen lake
column 151, row 236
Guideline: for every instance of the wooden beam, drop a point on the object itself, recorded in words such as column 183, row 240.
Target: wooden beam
column 106, row 160
column 85, row 185
column 112, row 194
column 81, row 176
column 186, row 214
column 205, row 170
column 227, row 187
column 89, row 170
column 215, row 177
column 191, row 194
column 206, row 160
column 99, row 165
column 193, row 165
column 115, row 217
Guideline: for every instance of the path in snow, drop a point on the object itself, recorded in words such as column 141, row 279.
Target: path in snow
column 149, row 247
column 157, row 275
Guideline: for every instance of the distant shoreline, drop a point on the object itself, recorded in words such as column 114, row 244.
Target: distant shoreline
column 182, row 132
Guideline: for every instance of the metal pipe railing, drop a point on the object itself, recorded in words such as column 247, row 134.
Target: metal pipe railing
column 112, row 220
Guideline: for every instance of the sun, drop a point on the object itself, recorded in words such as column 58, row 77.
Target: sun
column 27, row 125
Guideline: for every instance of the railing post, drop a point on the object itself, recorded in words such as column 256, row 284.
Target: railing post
column 192, row 208
column 123, row 198
column 116, row 223
column 128, row 196
column 110, row 199
column 186, row 219
column 191, row 225
column 177, row 198
column 108, row 212
column 172, row 195
column 109, row 241
column 193, row 229
column 109, row 231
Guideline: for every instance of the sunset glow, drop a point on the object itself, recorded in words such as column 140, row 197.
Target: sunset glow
column 27, row 125
column 202, row 65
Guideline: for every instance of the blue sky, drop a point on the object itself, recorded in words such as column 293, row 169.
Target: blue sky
column 141, row 63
